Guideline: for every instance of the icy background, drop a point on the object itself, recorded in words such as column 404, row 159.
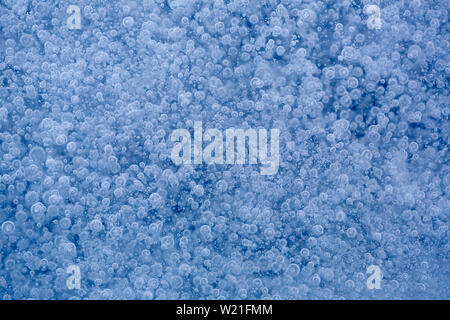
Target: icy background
column 86, row 177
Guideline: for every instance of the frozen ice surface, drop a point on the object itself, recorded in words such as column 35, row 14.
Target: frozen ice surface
column 86, row 177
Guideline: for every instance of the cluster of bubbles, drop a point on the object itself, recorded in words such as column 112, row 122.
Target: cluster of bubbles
column 86, row 177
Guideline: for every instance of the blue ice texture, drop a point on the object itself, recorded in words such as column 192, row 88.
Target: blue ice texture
column 86, row 180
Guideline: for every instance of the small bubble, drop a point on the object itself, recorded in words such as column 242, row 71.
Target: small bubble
column 37, row 154
column 8, row 227
column 128, row 22
column 351, row 232
column 61, row 140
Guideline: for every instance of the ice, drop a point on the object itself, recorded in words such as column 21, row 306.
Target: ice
column 86, row 176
